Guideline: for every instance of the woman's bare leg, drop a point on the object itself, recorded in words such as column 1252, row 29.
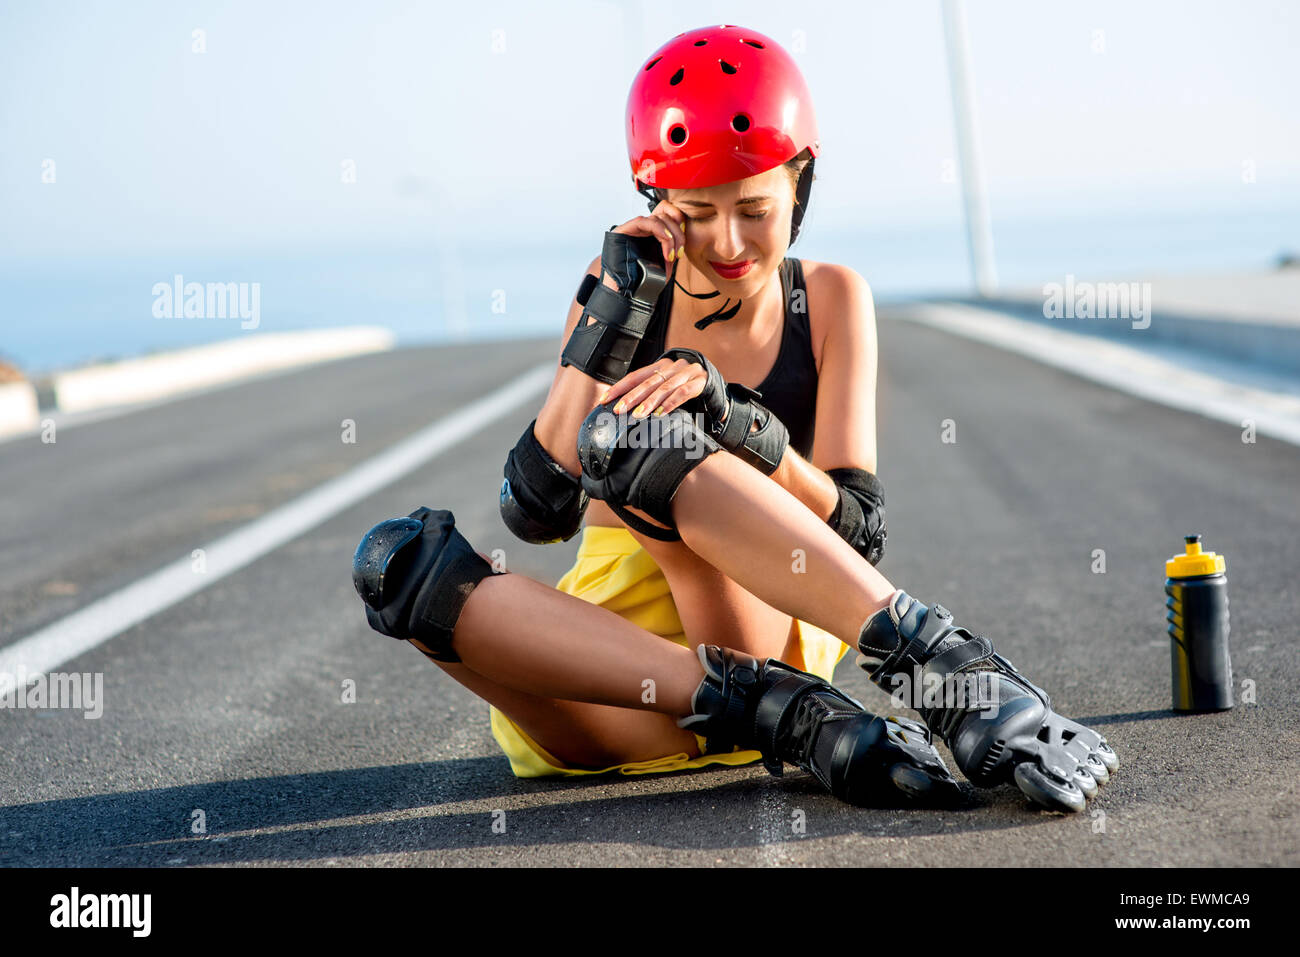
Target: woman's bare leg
column 715, row 610
column 759, row 535
column 539, row 655
column 584, row 683
column 535, row 645
column 530, row 642
column 582, row 735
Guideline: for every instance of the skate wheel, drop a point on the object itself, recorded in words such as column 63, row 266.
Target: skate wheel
column 929, row 786
column 1051, row 793
column 913, row 782
column 1087, row 783
column 1098, row 768
column 1108, row 756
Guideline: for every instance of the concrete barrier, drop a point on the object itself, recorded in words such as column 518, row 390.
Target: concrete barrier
column 18, row 408
column 186, row 370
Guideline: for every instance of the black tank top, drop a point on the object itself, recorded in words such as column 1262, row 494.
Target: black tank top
column 790, row 389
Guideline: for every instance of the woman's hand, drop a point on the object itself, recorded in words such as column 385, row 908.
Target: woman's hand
column 663, row 385
column 657, row 388
column 667, row 224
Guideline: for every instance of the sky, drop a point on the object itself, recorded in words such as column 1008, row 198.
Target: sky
column 504, row 121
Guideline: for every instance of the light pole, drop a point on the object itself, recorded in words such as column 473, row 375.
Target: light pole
column 979, row 232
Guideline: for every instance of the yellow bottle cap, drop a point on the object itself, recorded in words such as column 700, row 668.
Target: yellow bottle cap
column 1194, row 561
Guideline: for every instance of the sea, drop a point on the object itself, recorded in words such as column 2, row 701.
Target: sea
column 59, row 312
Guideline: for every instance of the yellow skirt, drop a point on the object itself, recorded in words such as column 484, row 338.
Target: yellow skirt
column 613, row 570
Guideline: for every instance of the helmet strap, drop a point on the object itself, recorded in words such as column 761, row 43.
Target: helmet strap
column 648, row 192
column 801, row 193
column 722, row 314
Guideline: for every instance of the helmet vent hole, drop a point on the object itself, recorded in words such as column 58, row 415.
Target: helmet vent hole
column 677, row 135
column 740, row 123
column 726, row 67
column 653, row 62
column 755, row 44
column 700, row 43
column 677, row 77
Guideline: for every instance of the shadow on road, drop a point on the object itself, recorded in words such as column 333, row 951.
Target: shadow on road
column 1090, row 720
column 308, row 817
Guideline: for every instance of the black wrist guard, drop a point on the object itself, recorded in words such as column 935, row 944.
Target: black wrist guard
column 604, row 349
column 760, row 437
column 735, row 418
column 859, row 518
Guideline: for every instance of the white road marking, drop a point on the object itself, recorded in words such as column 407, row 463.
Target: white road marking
column 1123, row 368
column 95, row 624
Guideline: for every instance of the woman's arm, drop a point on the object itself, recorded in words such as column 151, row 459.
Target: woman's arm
column 807, row 483
column 574, row 391
column 846, row 404
column 571, row 396
column 541, row 498
column 845, row 434
column 846, row 389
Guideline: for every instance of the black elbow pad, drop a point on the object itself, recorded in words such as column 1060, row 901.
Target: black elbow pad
column 859, row 518
column 541, row 503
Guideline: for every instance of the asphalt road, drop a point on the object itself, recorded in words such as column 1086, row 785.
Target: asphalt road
column 229, row 703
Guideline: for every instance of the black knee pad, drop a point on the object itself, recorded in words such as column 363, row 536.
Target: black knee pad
column 415, row 574
column 640, row 462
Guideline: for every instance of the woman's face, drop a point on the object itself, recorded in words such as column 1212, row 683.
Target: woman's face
column 747, row 221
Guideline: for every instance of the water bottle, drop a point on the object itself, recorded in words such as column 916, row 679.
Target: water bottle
column 1197, row 611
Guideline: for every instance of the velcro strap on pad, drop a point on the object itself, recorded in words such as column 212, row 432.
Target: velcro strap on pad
column 762, row 447
column 612, row 308
column 439, row 603
column 432, row 576
column 541, row 474
column 540, row 501
column 605, row 348
column 740, row 419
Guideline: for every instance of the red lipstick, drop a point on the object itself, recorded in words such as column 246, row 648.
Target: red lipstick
column 735, row 270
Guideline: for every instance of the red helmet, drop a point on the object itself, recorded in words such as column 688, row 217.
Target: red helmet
column 715, row 105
